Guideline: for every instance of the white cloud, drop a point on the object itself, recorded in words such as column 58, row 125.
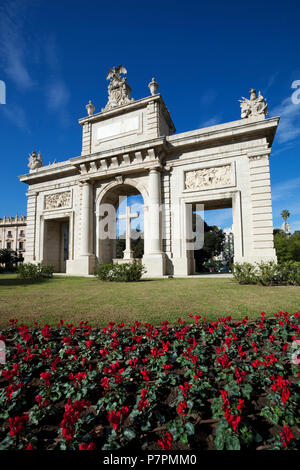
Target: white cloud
column 208, row 97
column 289, row 125
column 271, row 81
column 16, row 115
column 213, row 121
column 285, row 189
column 13, row 50
column 56, row 90
column 295, row 225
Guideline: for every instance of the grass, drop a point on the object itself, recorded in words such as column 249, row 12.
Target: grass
column 79, row 298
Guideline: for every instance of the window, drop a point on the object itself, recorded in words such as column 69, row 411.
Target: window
column 8, row 245
column 21, row 233
column 21, row 245
column 9, row 234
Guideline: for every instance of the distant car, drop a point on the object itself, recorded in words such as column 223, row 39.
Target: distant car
column 225, row 269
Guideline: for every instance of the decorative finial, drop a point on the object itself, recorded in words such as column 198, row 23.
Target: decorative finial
column 35, row 161
column 153, row 87
column 255, row 107
column 118, row 89
column 90, row 108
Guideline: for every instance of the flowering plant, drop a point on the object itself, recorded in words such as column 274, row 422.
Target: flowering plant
column 196, row 385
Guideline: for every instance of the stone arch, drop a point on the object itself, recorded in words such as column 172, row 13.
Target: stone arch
column 127, row 182
column 109, row 194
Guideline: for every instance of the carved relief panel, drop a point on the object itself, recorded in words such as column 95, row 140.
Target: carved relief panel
column 58, row 200
column 209, row 178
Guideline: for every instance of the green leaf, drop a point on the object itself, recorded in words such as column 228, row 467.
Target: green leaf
column 219, row 441
column 189, row 428
column 129, row 434
column 184, row 438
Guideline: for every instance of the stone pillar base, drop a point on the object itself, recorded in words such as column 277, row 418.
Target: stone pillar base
column 128, row 260
column 155, row 264
column 183, row 266
column 83, row 265
column 257, row 258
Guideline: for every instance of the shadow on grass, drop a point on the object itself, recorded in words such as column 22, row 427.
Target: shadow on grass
column 20, row 282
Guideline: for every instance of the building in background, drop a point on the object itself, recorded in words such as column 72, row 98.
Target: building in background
column 285, row 227
column 227, row 254
column 13, row 233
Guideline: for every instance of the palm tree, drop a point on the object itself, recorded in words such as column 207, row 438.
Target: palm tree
column 285, row 214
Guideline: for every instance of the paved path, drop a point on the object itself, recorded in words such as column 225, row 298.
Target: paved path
column 192, row 276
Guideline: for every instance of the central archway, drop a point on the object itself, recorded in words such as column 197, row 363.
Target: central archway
column 111, row 225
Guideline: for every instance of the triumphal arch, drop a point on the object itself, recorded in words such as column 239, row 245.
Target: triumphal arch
column 131, row 148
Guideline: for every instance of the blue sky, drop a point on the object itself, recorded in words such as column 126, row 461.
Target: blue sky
column 54, row 57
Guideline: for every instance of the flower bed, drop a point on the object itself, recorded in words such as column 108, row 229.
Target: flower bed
column 200, row 385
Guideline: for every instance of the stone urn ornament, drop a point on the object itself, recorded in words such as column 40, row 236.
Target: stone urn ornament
column 153, row 87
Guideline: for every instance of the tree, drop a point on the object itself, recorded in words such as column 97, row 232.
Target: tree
column 213, row 245
column 9, row 258
column 137, row 246
column 285, row 214
column 287, row 247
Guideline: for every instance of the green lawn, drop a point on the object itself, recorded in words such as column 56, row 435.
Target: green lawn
column 77, row 298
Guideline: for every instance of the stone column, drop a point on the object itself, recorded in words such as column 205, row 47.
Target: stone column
column 84, row 262
column 31, row 239
column 154, row 211
column 86, row 218
column 154, row 259
column 262, row 246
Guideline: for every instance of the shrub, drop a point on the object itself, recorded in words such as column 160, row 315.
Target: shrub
column 267, row 273
column 35, row 272
column 126, row 272
column 244, row 273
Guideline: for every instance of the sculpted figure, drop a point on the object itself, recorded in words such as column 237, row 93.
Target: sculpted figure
column 35, row 161
column 118, row 88
column 256, row 106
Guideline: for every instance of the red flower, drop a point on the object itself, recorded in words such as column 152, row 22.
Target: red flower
column 105, row 383
column 54, row 363
column 286, row 435
column 239, row 375
column 185, row 388
column 17, row 424
column 11, row 389
column 71, row 416
column 145, row 374
column 46, row 332
column 143, row 403
column 28, row 447
column 46, row 376
column 241, row 404
column 166, row 442
column 256, row 363
column 115, row 417
column 234, row 422
column 39, row 399
column 181, row 408
column 84, row 446
column 198, row 374
column 166, row 367
column 89, row 343
column 133, row 361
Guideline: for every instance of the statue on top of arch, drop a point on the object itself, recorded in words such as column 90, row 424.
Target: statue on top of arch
column 118, row 88
column 255, row 107
column 35, row 161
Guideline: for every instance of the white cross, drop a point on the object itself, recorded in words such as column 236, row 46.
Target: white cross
column 128, row 253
